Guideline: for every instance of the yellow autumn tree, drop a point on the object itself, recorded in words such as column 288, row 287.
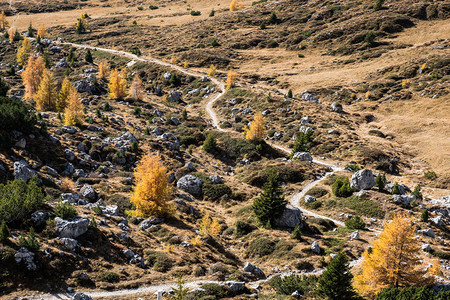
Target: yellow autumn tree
column 42, row 32
column 3, row 22
column 12, row 34
column 209, row 227
column 63, row 95
column 395, row 259
column 24, row 52
column 117, row 84
column 74, row 111
column 151, row 193
column 103, row 69
column 257, row 130
column 212, row 70
column 136, row 90
column 46, row 95
column 236, row 5
column 231, row 79
column 32, row 75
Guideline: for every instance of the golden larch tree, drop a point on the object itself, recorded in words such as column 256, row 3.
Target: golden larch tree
column 66, row 86
column 46, row 95
column 74, row 112
column 231, row 79
column 236, row 5
column 24, row 52
column 32, row 75
column 209, row 227
column 395, row 259
column 136, row 90
column 212, row 70
column 3, row 22
column 257, row 130
column 81, row 24
column 42, row 32
column 117, row 84
column 12, row 33
column 103, row 70
column 152, row 192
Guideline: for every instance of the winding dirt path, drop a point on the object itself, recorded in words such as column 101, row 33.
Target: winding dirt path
column 294, row 201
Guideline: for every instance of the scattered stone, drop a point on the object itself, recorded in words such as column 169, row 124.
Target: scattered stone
column 23, row 171
column 70, row 198
column 216, row 179
column 190, row 184
column 428, row 232
column 310, row 199
column 112, row 210
column 333, row 131
column 426, row 247
column 362, row 180
column 81, row 296
column 235, row 286
column 190, row 166
column 303, row 156
column 404, row 199
column 22, row 143
column 147, row 223
column 27, row 257
column 336, row 107
column 252, row 269
column 290, row 218
column 71, row 229
column 87, row 191
column 174, row 96
column 39, row 218
column 69, row 154
column 167, row 75
column 438, row 221
column 354, row 235
column 308, row 97
column 62, row 63
column 69, row 129
column 305, row 129
column 401, row 188
column 315, row 247
column 175, row 121
column 68, row 244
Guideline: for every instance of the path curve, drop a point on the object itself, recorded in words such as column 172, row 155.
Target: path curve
column 294, row 201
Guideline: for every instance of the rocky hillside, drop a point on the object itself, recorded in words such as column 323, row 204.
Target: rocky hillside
column 354, row 102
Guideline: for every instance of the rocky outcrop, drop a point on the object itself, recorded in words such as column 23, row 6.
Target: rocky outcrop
column 71, row 228
column 310, row 199
column 290, row 218
column 303, row 156
column 190, row 184
column 23, row 171
column 254, row 270
column 315, row 247
column 88, row 192
column 26, row 257
column 336, row 107
column 362, row 180
column 404, row 199
column 428, row 232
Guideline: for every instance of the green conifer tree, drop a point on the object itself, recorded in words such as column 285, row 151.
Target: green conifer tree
column 270, row 205
column 336, row 281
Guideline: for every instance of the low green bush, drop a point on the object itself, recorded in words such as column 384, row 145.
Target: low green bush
column 341, row 187
column 215, row 191
column 291, row 283
column 14, row 115
column 158, row 260
column 19, row 199
column 243, row 228
column 261, row 247
column 65, row 210
column 355, row 223
column 30, row 241
column 317, row 192
column 109, row 276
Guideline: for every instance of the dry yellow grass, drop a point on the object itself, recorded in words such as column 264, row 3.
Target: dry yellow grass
column 67, row 185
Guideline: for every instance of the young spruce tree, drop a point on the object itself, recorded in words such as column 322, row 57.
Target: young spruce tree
column 336, row 281
column 270, row 205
